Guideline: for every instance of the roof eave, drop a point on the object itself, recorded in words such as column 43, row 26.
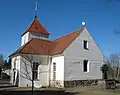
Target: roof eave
column 35, row 32
column 24, row 33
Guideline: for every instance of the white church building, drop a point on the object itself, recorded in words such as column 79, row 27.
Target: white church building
column 71, row 57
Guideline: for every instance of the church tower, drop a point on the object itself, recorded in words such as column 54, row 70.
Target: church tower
column 35, row 30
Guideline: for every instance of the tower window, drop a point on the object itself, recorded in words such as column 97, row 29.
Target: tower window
column 85, row 44
column 85, row 65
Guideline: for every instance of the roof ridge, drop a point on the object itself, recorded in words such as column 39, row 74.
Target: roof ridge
column 29, row 27
column 68, row 33
column 31, row 24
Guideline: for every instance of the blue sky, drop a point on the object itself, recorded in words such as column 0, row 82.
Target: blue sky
column 60, row 17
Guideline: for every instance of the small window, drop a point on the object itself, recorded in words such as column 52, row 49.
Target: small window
column 85, row 44
column 35, row 70
column 85, row 65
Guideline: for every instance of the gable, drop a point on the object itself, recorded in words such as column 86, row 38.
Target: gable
column 76, row 50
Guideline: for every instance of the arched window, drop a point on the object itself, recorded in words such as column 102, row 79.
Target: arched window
column 54, row 71
column 35, row 70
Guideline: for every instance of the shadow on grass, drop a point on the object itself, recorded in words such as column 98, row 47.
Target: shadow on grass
column 36, row 92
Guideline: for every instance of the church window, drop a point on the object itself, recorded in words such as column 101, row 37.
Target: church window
column 35, row 70
column 54, row 71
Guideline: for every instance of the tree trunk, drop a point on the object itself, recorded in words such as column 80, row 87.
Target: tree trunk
column 32, row 86
column 32, row 82
column 118, row 73
column 114, row 73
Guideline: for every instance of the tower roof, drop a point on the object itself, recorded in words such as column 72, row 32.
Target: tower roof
column 36, row 27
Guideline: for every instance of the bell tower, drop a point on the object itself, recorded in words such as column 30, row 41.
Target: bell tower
column 35, row 30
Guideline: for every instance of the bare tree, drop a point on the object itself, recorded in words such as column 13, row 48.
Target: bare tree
column 1, row 60
column 114, row 65
column 27, row 68
column 1, row 64
column 28, row 72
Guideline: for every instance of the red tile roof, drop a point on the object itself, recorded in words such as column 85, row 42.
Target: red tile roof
column 47, row 47
column 36, row 27
column 64, row 41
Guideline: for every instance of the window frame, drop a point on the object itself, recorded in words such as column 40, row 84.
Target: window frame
column 86, row 67
column 85, row 44
column 35, row 70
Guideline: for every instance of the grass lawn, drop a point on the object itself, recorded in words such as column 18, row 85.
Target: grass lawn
column 62, row 91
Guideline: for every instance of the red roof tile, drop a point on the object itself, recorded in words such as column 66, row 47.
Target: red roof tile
column 64, row 41
column 36, row 27
column 47, row 47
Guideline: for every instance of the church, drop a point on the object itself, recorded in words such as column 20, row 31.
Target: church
column 72, row 57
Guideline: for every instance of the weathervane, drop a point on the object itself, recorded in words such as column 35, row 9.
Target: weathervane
column 36, row 7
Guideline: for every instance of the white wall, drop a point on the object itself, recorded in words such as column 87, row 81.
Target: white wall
column 25, row 38
column 43, row 77
column 29, row 35
column 59, row 60
column 15, row 60
column 24, row 81
column 8, row 72
column 74, row 69
column 75, row 54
